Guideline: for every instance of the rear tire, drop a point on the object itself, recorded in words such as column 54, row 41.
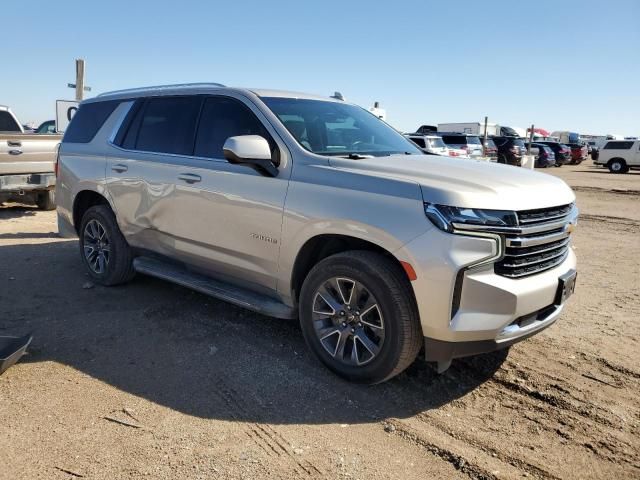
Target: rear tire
column 46, row 200
column 104, row 250
column 617, row 165
column 369, row 329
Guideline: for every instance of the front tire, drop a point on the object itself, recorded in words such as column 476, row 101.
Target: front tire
column 104, row 250
column 359, row 317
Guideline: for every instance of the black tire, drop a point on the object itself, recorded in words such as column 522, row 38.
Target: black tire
column 618, row 165
column 46, row 200
column 119, row 266
column 390, row 287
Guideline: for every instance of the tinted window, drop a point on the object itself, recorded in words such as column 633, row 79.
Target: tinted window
column 473, row 140
column 88, row 120
column 618, row 145
column 418, row 141
column 168, row 125
column 47, row 127
column 455, row 139
column 223, row 118
column 7, row 123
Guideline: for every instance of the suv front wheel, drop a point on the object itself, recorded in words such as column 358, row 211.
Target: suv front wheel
column 359, row 317
column 104, row 251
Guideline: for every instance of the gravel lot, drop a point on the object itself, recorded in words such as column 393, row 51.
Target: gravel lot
column 151, row 380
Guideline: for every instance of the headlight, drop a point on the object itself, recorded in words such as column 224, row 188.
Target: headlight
column 444, row 217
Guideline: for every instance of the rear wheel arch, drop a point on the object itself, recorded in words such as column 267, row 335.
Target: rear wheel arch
column 82, row 202
column 322, row 246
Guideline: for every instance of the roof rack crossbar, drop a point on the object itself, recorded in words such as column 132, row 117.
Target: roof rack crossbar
column 162, row 87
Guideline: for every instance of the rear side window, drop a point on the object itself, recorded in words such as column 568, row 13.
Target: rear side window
column 618, row 145
column 88, row 120
column 455, row 139
column 166, row 125
column 7, row 123
column 224, row 117
column 418, row 141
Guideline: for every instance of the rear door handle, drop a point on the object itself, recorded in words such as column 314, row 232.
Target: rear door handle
column 189, row 177
column 15, row 152
column 118, row 167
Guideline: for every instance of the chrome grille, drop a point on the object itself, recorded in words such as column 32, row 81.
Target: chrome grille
column 539, row 242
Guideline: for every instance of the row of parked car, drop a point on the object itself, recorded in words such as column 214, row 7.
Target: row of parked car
column 508, row 149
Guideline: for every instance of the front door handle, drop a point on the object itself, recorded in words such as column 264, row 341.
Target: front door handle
column 15, row 152
column 189, row 177
column 118, row 167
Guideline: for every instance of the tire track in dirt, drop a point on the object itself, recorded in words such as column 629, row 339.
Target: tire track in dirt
column 613, row 191
column 609, row 220
column 263, row 435
column 557, row 413
column 507, row 459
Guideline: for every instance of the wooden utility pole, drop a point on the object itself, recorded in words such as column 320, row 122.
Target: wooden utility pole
column 484, row 139
column 79, row 79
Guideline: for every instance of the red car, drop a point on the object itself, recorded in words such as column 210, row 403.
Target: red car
column 579, row 152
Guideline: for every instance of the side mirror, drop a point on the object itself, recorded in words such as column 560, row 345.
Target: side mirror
column 252, row 151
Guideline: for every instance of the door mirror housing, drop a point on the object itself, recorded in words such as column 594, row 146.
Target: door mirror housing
column 252, row 151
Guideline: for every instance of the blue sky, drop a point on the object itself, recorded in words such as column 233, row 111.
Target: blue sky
column 563, row 65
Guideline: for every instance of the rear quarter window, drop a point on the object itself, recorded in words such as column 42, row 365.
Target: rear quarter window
column 618, row 145
column 88, row 120
column 418, row 141
column 7, row 123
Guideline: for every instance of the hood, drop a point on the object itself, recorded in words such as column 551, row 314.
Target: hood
column 466, row 182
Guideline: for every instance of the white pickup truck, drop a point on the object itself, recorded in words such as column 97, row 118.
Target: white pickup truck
column 27, row 163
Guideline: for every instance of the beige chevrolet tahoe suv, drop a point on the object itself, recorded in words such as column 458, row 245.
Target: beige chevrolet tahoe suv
column 299, row 206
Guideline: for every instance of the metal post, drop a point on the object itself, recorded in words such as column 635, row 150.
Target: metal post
column 530, row 140
column 79, row 79
column 484, row 139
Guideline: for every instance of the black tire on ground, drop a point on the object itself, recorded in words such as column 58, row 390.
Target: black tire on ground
column 46, row 200
column 389, row 285
column 119, row 268
column 617, row 165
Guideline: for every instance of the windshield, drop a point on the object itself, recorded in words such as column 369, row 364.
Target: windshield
column 338, row 129
column 436, row 142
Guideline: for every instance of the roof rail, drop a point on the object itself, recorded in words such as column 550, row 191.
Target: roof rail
column 162, row 87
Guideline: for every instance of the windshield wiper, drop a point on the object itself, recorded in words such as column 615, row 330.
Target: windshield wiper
column 355, row 156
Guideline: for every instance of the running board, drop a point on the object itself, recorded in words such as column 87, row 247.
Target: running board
column 229, row 293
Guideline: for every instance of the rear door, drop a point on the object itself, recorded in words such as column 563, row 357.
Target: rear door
column 154, row 142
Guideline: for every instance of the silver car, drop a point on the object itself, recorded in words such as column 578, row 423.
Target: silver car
column 300, row 206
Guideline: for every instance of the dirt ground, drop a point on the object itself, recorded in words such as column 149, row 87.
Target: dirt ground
column 151, row 380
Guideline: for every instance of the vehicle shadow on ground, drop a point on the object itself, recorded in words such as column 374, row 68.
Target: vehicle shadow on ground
column 197, row 355
column 8, row 211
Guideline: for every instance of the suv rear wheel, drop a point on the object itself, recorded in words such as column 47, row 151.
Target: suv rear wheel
column 617, row 165
column 104, row 250
column 359, row 317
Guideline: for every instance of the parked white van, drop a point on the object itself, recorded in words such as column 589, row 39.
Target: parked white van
column 620, row 155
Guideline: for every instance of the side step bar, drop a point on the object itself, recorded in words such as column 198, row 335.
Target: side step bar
column 229, row 293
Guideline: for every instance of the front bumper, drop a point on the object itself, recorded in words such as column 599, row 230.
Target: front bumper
column 464, row 310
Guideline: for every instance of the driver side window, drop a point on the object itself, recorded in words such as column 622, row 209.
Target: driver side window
column 224, row 117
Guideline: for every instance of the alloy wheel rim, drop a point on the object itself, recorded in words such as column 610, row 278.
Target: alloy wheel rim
column 348, row 321
column 96, row 246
